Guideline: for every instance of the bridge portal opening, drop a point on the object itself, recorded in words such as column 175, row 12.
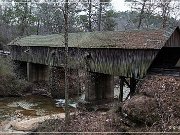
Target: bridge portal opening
column 166, row 61
column 167, row 57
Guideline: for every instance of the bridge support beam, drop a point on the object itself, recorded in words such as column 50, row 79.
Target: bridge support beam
column 99, row 87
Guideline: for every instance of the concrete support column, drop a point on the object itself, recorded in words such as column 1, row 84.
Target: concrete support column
column 20, row 68
column 28, row 71
column 90, row 92
column 58, row 82
column 37, row 72
column 99, row 87
column 108, row 81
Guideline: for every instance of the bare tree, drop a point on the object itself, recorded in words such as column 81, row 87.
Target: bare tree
column 100, row 9
column 145, row 9
column 66, row 61
column 99, row 16
column 140, row 7
column 165, row 7
column 141, row 14
column 89, row 15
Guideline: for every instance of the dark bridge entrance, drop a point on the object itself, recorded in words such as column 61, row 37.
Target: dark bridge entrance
column 167, row 61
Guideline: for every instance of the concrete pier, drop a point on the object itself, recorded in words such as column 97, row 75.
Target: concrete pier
column 37, row 72
column 20, row 68
column 99, row 87
column 57, row 81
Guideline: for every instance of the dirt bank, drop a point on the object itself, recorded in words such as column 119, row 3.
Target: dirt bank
column 157, row 105
column 155, row 108
column 83, row 121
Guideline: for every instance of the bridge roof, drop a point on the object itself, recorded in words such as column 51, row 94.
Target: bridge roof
column 136, row 39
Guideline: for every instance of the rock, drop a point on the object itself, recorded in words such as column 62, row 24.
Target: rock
column 41, row 92
column 25, row 126
column 33, row 123
column 141, row 109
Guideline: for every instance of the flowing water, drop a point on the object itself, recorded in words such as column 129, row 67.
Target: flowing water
column 31, row 106
column 34, row 106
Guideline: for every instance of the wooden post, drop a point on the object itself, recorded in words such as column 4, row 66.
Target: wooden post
column 66, row 6
column 132, row 86
column 28, row 71
column 121, row 85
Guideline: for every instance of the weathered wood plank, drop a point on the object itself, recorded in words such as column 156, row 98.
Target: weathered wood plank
column 121, row 62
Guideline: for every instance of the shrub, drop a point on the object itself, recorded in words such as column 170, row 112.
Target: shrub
column 9, row 84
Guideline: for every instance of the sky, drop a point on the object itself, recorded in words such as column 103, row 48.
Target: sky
column 120, row 5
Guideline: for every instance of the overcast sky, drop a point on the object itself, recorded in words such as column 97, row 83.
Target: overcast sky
column 120, row 5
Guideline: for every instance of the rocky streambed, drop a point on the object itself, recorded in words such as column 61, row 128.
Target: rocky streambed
column 21, row 113
column 154, row 108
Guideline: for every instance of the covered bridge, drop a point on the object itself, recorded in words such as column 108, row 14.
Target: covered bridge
column 105, row 54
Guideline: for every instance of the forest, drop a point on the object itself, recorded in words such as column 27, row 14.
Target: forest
column 31, row 17
column 51, row 98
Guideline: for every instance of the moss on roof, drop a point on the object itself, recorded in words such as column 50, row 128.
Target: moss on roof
column 152, row 39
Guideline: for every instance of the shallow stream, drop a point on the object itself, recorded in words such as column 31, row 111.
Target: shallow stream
column 31, row 106
column 34, row 106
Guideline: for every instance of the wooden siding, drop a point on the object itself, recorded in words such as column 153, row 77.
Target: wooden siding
column 122, row 62
column 174, row 39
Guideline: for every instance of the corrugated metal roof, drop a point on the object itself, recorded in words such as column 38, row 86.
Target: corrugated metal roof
column 152, row 39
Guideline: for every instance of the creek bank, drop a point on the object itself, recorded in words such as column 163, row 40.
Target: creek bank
column 12, row 87
column 31, row 124
column 155, row 108
column 83, row 121
column 157, row 105
column 27, row 124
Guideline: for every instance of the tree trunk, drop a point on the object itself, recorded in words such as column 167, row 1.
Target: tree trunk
column 141, row 14
column 89, row 16
column 99, row 16
column 66, row 62
column 24, row 20
column 38, row 25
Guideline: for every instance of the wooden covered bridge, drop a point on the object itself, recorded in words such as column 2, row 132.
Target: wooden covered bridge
column 128, row 54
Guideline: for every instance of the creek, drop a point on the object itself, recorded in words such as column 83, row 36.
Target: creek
column 36, row 106
column 29, row 106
